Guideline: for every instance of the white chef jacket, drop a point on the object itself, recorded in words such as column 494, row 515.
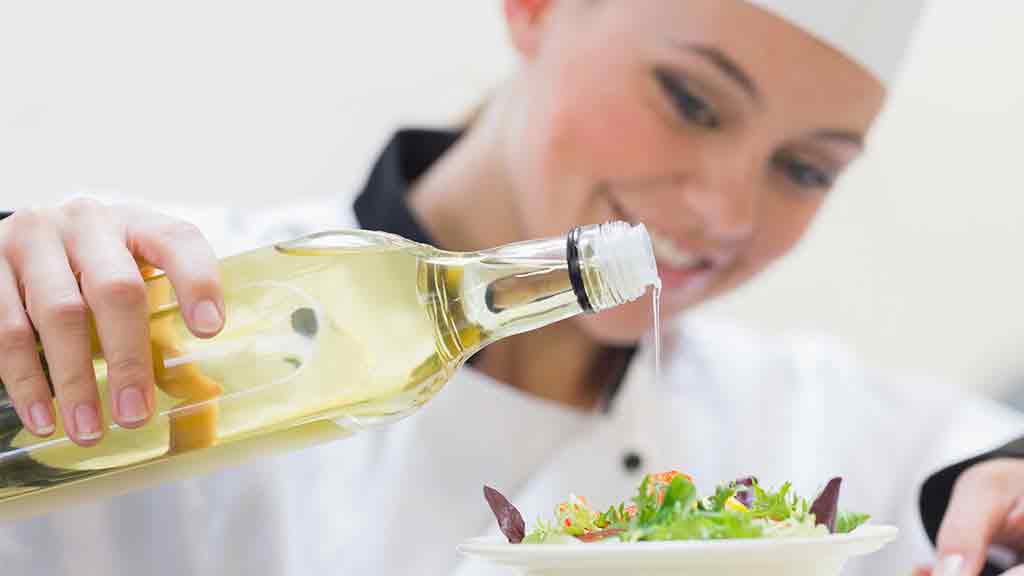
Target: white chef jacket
column 398, row 499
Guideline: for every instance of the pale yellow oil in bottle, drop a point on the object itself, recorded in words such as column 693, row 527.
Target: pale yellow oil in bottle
column 324, row 336
column 319, row 341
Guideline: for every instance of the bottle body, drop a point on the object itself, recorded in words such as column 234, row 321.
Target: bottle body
column 323, row 336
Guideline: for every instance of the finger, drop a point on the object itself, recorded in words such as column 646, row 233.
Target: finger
column 21, row 372
column 116, row 294
column 180, row 249
column 923, row 571
column 1011, row 534
column 982, row 498
column 59, row 313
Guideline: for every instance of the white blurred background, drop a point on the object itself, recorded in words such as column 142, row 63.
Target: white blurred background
column 915, row 262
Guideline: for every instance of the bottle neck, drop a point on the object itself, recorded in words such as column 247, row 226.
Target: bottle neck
column 525, row 286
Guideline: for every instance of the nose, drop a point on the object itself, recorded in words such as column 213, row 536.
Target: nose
column 724, row 196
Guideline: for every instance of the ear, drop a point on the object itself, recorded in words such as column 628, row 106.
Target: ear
column 524, row 19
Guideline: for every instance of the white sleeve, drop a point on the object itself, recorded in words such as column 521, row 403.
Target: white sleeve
column 900, row 429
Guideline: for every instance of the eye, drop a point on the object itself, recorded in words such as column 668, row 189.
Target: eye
column 690, row 107
column 801, row 173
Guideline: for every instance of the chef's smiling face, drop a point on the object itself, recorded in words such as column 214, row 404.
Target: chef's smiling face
column 719, row 126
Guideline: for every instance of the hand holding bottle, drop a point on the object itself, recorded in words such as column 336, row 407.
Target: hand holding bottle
column 71, row 276
column 315, row 339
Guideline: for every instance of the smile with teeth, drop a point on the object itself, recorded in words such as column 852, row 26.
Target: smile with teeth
column 667, row 252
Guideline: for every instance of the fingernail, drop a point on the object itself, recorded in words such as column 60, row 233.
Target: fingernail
column 87, row 422
column 131, row 405
column 1017, row 514
column 42, row 421
column 206, row 317
column 949, row 566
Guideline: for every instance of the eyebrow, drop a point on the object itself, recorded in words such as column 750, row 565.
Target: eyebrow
column 841, row 136
column 727, row 66
column 735, row 72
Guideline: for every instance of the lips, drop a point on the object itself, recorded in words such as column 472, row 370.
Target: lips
column 669, row 253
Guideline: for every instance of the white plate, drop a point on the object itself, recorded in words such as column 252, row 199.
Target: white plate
column 823, row 556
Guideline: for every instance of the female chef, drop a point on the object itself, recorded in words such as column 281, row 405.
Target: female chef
column 721, row 124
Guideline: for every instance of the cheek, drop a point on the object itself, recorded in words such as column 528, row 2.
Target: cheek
column 783, row 224
column 607, row 130
column 550, row 186
column 582, row 128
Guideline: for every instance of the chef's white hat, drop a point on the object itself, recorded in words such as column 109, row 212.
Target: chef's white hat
column 873, row 33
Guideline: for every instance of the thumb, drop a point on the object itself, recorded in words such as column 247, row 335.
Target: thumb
column 982, row 498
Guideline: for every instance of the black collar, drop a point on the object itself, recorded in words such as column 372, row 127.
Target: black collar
column 382, row 204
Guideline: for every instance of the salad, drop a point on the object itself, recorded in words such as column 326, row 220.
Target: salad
column 667, row 507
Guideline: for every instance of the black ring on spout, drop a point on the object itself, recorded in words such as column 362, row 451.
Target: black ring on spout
column 576, row 269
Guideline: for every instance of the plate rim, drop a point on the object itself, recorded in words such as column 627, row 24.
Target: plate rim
column 487, row 546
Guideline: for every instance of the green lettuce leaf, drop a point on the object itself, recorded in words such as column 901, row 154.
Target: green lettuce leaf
column 847, row 522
